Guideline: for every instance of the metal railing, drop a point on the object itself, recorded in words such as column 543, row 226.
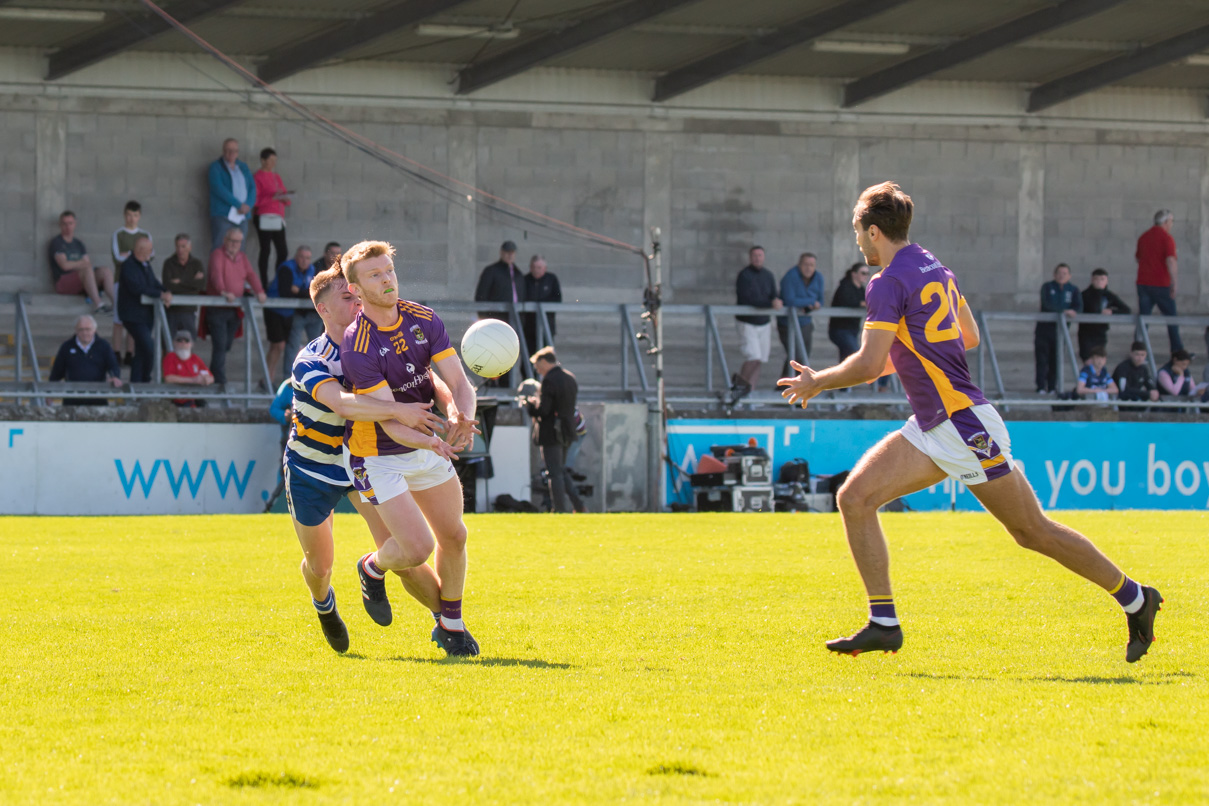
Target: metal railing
column 633, row 355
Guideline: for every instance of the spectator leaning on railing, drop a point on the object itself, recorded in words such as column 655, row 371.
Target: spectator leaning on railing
column 294, row 282
column 230, row 271
column 845, row 332
column 801, row 287
column 541, row 285
column 183, row 274
column 139, row 280
column 86, row 358
column 1098, row 299
column 755, row 286
column 1058, row 295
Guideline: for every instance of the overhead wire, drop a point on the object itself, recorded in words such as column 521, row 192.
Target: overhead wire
column 442, row 184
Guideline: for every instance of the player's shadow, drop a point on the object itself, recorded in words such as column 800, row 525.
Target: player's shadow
column 1162, row 679
column 932, row 676
column 531, row 663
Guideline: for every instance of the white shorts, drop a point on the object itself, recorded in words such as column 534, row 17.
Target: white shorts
column 972, row 446
column 381, row 478
column 755, row 341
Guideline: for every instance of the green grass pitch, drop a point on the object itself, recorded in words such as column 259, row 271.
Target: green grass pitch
column 671, row 659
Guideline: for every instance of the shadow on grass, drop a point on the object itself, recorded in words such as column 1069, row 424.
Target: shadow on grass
column 531, row 663
column 263, row 780
column 1162, row 679
column 931, row 676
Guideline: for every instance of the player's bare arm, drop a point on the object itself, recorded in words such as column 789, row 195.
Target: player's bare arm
column 866, row 364
column 970, row 336
column 462, row 425
column 404, row 435
column 370, row 408
column 445, row 403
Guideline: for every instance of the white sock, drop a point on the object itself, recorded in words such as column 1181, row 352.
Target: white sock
column 1137, row 603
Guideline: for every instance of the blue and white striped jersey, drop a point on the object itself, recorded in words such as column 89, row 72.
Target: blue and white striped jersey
column 316, row 439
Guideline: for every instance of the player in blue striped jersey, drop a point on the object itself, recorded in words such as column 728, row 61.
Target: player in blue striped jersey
column 315, row 477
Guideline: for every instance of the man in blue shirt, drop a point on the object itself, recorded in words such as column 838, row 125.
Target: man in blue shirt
column 1057, row 296
column 294, row 282
column 232, row 193
column 801, row 287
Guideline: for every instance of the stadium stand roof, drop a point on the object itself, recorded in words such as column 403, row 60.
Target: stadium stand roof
column 1056, row 49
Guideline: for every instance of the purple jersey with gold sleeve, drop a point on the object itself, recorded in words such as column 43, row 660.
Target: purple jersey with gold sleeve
column 917, row 299
column 396, row 357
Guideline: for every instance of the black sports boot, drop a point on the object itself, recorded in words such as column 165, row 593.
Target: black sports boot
column 455, row 643
column 1141, row 625
column 373, row 595
column 334, row 630
column 871, row 638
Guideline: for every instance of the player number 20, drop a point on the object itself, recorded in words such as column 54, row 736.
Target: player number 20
column 950, row 301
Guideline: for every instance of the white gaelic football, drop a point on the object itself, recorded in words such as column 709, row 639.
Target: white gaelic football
column 490, row 348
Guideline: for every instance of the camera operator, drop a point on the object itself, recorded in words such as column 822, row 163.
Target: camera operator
column 553, row 412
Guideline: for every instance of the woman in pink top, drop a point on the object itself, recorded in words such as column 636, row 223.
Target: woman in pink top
column 269, row 213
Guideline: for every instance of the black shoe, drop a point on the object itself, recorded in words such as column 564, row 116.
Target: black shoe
column 455, row 643
column 1141, row 625
column 871, row 638
column 373, row 596
column 334, row 630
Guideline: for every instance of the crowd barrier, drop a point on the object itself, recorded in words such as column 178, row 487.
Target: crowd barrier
column 634, row 348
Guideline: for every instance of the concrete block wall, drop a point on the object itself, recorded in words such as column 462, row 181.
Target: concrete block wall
column 1000, row 204
column 965, row 195
column 18, row 195
column 589, row 178
column 1100, row 198
column 732, row 191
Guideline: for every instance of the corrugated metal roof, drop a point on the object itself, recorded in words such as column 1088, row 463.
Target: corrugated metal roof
column 259, row 29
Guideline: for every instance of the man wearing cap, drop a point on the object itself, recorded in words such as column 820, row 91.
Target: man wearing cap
column 182, row 366
column 502, row 281
column 1157, row 272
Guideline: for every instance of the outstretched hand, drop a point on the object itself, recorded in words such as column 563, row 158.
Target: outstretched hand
column 443, row 449
column 460, row 431
column 801, row 388
column 420, row 417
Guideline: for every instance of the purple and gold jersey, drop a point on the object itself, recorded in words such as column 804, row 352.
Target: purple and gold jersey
column 397, row 358
column 917, row 299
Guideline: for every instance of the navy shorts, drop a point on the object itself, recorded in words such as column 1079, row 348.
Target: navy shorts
column 309, row 499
